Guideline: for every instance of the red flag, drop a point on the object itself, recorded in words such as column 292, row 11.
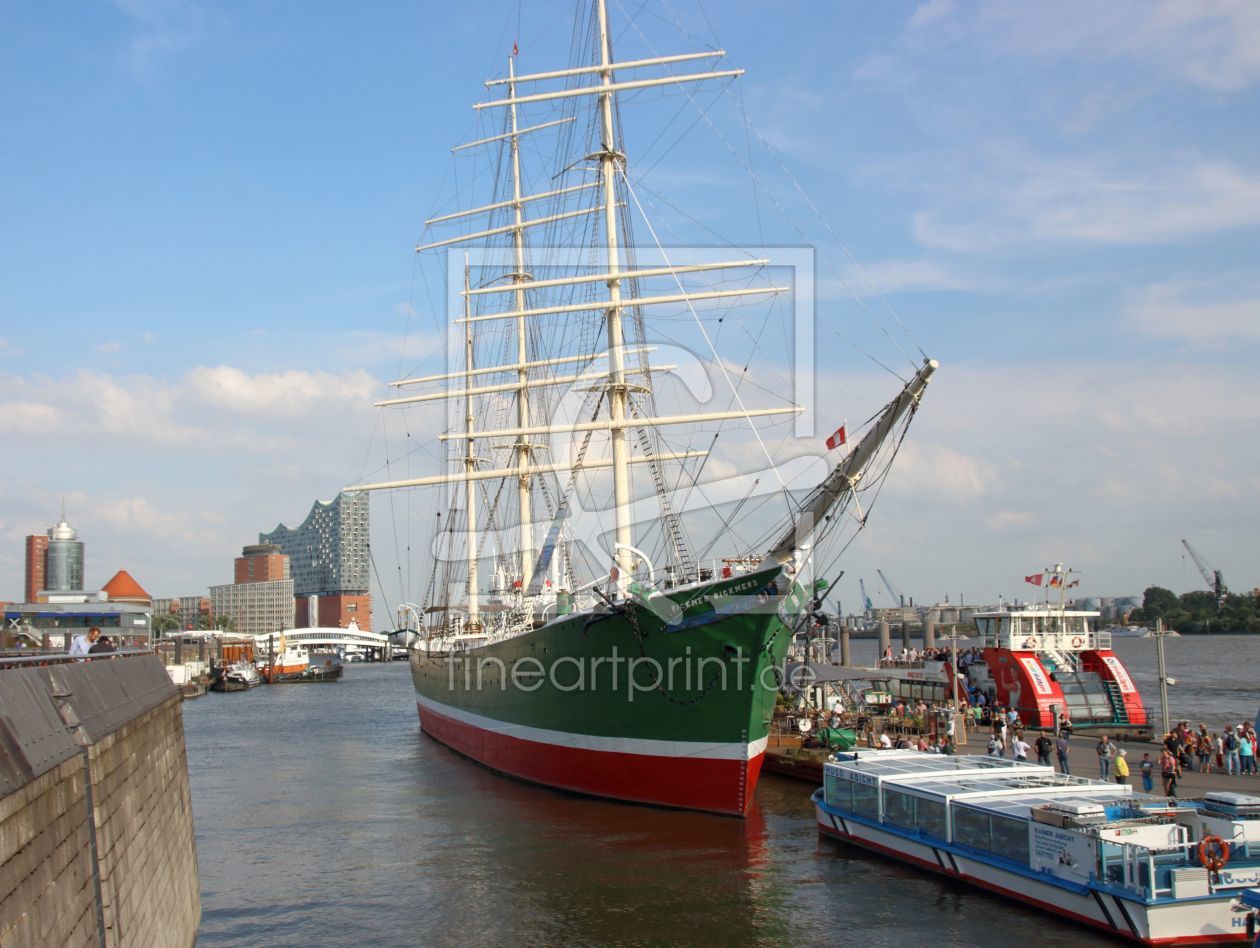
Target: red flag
column 837, row 439
column 515, row 51
column 1035, row 579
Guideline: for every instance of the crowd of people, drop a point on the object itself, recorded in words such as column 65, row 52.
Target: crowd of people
column 1231, row 751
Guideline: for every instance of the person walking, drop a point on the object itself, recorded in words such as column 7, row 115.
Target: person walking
column 1148, row 773
column 1121, row 766
column 1105, row 751
column 1061, row 747
column 1232, row 762
column 1043, row 745
column 1246, row 755
column 1020, row 747
column 1169, row 770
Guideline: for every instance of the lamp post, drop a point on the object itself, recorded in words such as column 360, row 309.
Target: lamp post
column 1164, row 680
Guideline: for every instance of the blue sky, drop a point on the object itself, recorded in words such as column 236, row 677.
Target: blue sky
column 206, row 263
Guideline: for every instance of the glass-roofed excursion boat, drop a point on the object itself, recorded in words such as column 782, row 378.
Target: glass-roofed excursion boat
column 1154, row 871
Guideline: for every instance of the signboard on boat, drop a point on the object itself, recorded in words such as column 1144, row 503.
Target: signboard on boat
column 1062, row 853
column 1119, row 673
column 1036, row 674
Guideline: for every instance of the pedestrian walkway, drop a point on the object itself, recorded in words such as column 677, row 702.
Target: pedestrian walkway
column 1084, row 763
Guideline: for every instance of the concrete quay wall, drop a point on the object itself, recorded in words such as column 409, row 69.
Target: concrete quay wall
column 96, row 833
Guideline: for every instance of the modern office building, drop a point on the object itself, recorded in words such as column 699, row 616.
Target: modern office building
column 260, row 563
column 261, row 598
column 255, row 608
column 328, row 560
column 63, row 570
column 54, row 562
column 36, row 560
column 189, row 610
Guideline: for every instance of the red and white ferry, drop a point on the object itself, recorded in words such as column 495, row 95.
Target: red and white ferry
column 1043, row 661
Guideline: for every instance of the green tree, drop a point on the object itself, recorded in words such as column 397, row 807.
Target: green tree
column 1157, row 602
column 165, row 623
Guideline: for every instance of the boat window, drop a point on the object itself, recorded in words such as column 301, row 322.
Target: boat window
column 1010, row 838
column 971, row 828
column 866, row 801
column 899, row 809
column 929, row 816
column 836, row 790
column 913, row 812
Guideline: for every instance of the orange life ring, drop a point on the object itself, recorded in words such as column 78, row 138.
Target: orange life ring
column 1077, row 641
column 1213, row 853
column 1030, row 642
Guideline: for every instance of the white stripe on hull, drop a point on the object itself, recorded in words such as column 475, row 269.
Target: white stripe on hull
column 1159, row 923
column 620, row 745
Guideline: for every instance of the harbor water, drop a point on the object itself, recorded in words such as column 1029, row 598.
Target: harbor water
column 325, row 817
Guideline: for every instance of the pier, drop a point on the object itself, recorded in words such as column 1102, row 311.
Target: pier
column 96, row 833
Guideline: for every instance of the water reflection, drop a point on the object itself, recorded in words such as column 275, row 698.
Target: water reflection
column 324, row 817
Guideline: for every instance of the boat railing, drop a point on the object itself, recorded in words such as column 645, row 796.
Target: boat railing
column 1145, row 869
column 1064, row 641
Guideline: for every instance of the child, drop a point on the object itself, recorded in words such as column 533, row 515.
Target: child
column 1148, row 774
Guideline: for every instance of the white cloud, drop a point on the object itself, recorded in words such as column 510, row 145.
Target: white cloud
column 1002, row 520
column 277, row 394
column 931, row 12
column 164, row 28
column 27, row 417
column 933, row 470
column 1016, row 200
column 885, row 277
column 1163, row 309
column 108, row 347
column 1214, row 43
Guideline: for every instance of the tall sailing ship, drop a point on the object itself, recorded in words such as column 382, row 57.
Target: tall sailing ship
column 612, row 663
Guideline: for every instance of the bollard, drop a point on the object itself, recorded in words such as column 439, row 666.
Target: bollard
column 845, row 655
column 905, row 636
column 885, row 639
column 929, row 629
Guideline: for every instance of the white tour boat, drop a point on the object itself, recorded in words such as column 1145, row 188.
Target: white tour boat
column 1143, row 868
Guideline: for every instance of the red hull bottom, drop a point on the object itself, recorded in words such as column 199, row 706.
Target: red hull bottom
column 691, row 783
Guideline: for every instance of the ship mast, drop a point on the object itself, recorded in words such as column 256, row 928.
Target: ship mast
column 524, row 450
column 470, row 458
column 617, row 394
column 844, row 478
column 614, row 379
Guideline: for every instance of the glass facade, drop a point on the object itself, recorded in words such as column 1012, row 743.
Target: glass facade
column 328, row 553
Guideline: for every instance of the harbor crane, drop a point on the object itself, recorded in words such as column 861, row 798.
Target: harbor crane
column 866, row 600
column 898, row 598
column 1210, row 576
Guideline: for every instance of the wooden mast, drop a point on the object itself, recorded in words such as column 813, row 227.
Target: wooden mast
column 524, row 450
column 470, row 462
column 617, row 395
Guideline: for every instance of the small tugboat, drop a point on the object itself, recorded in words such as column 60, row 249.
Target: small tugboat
column 1153, row 871
column 295, row 664
column 238, row 676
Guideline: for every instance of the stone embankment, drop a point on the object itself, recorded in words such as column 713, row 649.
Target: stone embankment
column 96, row 832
